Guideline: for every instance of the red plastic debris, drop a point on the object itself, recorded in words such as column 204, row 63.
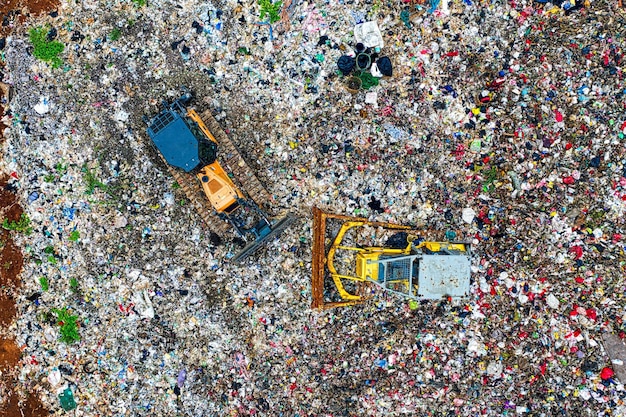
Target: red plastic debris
column 591, row 313
column 558, row 116
column 607, row 373
column 569, row 180
column 577, row 251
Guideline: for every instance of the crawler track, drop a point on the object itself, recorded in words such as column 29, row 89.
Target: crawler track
column 229, row 156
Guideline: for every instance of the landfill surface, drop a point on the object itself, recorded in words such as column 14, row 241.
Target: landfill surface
column 503, row 121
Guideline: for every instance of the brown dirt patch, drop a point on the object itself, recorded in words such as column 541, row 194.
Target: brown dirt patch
column 11, row 259
column 8, row 201
column 32, row 407
column 7, row 309
column 11, row 262
column 9, row 353
column 8, row 405
column 14, row 12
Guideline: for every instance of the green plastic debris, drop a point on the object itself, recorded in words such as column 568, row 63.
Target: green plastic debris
column 405, row 17
column 368, row 80
column 67, row 400
column 475, row 145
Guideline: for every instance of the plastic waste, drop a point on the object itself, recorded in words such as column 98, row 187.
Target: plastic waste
column 66, row 398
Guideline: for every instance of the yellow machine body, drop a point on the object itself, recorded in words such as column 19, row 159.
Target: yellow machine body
column 216, row 184
column 219, row 189
column 438, row 266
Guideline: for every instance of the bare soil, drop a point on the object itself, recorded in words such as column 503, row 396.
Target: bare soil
column 9, row 354
column 7, row 309
column 14, row 12
column 11, row 259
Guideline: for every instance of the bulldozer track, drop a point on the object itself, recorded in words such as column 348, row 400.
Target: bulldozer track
column 190, row 186
column 229, row 156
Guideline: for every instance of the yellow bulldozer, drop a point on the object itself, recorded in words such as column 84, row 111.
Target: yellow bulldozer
column 352, row 257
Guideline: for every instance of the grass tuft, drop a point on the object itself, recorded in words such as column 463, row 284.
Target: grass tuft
column 22, row 225
column 69, row 326
column 272, row 10
column 115, row 34
column 45, row 49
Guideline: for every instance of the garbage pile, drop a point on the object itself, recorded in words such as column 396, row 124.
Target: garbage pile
column 504, row 121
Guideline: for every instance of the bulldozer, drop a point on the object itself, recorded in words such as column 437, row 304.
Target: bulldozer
column 353, row 256
column 191, row 149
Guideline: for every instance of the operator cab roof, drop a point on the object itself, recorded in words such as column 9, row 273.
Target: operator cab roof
column 174, row 140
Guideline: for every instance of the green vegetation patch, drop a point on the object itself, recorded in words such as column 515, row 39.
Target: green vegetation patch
column 22, row 225
column 115, row 34
column 272, row 10
column 92, row 181
column 74, row 284
column 69, row 326
column 74, row 236
column 45, row 49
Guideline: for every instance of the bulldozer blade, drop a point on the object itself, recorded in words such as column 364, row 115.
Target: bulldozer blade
column 318, row 263
column 277, row 229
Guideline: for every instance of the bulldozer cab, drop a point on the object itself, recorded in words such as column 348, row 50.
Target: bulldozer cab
column 218, row 188
column 352, row 257
column 181, row 138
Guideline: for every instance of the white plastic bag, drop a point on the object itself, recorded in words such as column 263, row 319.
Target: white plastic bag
column 369, row 35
